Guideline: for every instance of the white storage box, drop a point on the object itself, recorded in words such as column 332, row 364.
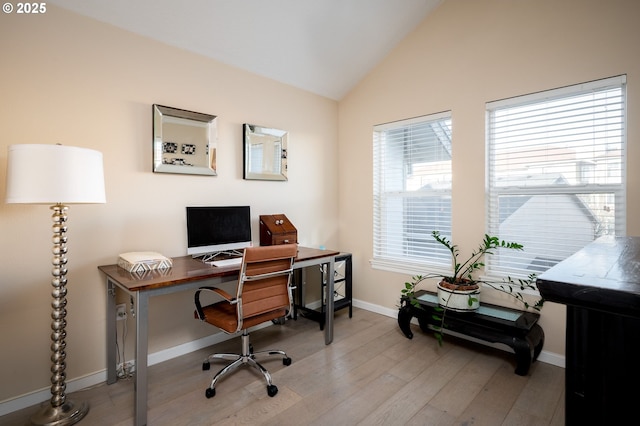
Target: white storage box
column 139, row 261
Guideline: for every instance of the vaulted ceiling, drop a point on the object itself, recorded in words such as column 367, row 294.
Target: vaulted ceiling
column 322, row 46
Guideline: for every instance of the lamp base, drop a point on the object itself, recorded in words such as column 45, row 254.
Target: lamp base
column 69, row 413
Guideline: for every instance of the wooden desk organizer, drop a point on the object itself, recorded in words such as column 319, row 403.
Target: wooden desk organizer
column 277, row 229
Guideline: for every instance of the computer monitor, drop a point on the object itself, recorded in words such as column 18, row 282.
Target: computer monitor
column 217, row 229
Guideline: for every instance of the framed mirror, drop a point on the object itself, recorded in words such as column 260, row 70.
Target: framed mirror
column 184, row 141
column 265, row 153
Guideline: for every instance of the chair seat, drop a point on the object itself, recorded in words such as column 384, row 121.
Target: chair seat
column 224, row 316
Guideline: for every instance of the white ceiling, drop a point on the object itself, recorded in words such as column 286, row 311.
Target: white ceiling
column 323, row 46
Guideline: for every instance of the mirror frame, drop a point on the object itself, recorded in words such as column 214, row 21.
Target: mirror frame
column 254, row 135
column 167, row 158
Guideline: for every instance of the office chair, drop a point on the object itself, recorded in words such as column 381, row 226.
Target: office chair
column 263, row 293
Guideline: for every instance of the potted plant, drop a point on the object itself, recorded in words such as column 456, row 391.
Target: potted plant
column 461, row 290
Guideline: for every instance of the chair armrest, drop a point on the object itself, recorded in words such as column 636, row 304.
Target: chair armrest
column 226, row 296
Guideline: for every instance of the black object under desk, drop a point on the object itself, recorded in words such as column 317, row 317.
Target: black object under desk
column 600, row 285
column 342, row 295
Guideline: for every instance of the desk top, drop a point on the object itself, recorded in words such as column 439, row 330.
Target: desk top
column 187, row 269
column 604, row 275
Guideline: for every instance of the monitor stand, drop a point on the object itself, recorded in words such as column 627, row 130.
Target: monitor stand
column 225, row 254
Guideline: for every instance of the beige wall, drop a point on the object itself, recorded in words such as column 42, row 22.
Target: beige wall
column 468, row 52
column 72, row 80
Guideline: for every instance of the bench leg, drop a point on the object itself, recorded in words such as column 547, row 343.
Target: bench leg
column 404, row 320
column 528, row 349
column 523, row 356
column 537, row 336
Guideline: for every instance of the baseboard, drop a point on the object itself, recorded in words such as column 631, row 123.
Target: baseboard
column 36, row 397
column 185, row 348
column 552, row 358
column 77, row 384
column 74, row 385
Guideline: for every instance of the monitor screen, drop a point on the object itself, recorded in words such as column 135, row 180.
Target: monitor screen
column 215, row 229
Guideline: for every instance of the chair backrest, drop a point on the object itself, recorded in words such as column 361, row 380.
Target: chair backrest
column 264, row 281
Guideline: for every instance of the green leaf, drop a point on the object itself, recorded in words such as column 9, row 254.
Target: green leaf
column 438, row 337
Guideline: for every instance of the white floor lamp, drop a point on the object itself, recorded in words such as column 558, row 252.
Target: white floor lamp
column 58, row 175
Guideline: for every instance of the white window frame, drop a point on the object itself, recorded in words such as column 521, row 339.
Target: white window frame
column 386, row 239
column 499, row 265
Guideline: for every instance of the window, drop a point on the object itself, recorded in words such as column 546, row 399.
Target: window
column 556, row 172
column 412, row 192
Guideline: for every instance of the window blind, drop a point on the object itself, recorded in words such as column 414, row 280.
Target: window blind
column 412, row 192
column 556, row 172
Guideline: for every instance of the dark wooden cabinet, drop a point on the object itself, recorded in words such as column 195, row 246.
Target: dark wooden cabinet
column 600, row 285
column 277, row 229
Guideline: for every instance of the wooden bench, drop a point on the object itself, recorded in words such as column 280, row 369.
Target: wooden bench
column 490, row 323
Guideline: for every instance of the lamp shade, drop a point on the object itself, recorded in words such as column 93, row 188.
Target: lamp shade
column 47, row 174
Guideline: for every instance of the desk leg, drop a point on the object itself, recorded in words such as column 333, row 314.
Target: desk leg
column 328, row 328
column 302, row 285
column 111, row 333
column 142, row 338
column 296, row 293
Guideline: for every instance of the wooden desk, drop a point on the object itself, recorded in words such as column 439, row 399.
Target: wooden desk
column 186, row 274
column 600, row 285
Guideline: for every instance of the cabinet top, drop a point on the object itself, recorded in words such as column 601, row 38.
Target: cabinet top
column 604, row 275
column 277, row 223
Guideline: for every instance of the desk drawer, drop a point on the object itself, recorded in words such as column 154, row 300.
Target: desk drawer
column 287, row 238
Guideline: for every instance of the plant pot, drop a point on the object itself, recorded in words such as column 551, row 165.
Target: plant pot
column 459, row 298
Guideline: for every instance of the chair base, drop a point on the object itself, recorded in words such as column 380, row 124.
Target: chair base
column 247, row 357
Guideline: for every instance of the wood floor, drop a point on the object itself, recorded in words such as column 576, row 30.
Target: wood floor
column 370, row 375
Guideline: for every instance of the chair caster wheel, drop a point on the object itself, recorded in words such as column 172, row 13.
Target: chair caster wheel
column 272, row 390
column 286, row 361
column 206, row 366
column 210, row 393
